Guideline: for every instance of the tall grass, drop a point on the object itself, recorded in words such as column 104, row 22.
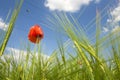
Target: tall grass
column 85, row 63
column 11, row 26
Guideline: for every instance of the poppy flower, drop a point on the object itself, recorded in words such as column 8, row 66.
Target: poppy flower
column 35, row 34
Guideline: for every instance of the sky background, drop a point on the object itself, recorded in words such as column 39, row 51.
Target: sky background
column 37, row 12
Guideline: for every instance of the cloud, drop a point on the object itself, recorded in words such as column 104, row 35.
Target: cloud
column 114, row 20
column 115, row 13
column 105, row 29
column 97, row 1
column 3, row 25
column 66, row 5
column 19, row 55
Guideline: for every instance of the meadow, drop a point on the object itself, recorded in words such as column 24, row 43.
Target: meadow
column 86, row 61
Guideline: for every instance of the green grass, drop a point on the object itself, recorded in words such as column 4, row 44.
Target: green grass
column 11, row 26
column 87, row 61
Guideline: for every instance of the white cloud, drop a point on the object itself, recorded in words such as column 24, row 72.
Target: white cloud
column 3, row 25
column 115, row 13
column 114, row 20
column 97, row 1
column 19, row 55
column 105, row 29
column 66, row 5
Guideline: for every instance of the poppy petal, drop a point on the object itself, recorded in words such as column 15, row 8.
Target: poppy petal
column 35, row 34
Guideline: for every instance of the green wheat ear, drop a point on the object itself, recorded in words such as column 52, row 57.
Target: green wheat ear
column 10, row 27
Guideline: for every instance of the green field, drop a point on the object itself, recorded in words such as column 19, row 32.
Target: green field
column 87, row 60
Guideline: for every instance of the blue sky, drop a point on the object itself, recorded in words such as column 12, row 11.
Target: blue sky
column 39, row 10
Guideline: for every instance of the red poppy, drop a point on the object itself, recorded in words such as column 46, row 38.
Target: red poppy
column 35, row 34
